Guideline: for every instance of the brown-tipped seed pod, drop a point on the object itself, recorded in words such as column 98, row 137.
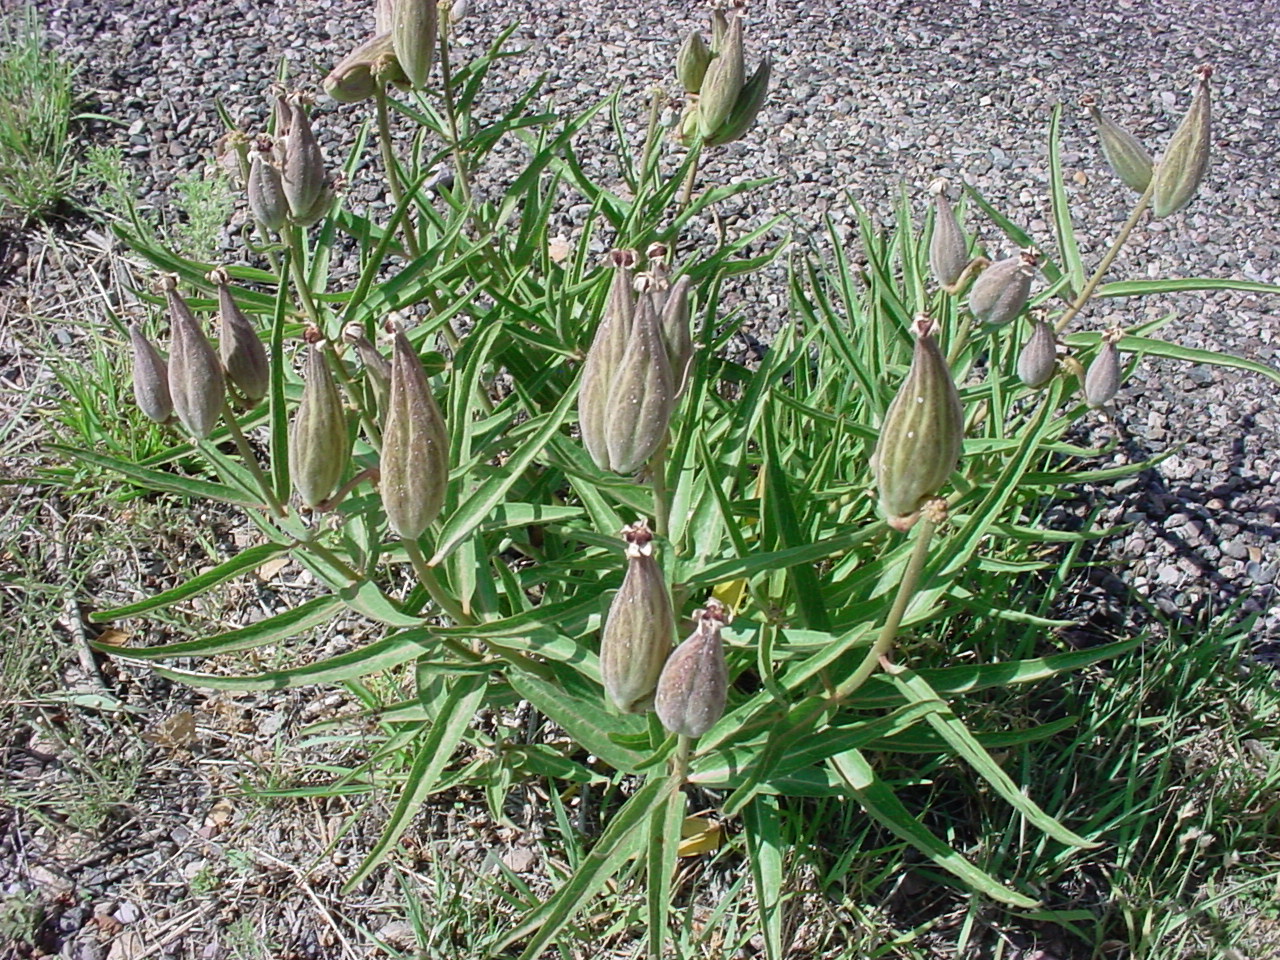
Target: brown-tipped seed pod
column 319, row 444
column 607, row 349
column 1125, row 154
column 692, row 62
column 1102, row 381
column 195, row 376
column 1038, row 359
column 948, row 249
column 746, row 108
column 676, row 335
column 243, row 356
column 303, row 169
column 1186, row 158
column 642, row 396
column 413, row 34
column 922, row 434
column 1002, row 290
column 414, row 466
column 694, row 686
column 723, row 82
column 150, row 378
column 266, row 191
column 639, row 629
column 358, row 74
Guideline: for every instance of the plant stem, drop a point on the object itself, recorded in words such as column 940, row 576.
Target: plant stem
column 393, row 171
column 661, row 496
column 650, row 141
column 1091, row 287
column 293, row 237
column 250, row 461
column 455, row 141
column 427, row 577
column 680, row 761
column 686, row 195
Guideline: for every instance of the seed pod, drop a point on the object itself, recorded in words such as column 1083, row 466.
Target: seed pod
column 607, row 350
column 1186, row 158
column 719, row 28
column 639, row 629
column 375, row 364
column 415, row 447
column 266, row 192
column 948, row 250
column 723, row 82
column 692, row 61
column 358, row 74
column 746, row 108
column 413, row 34
column 677, row 338
column 382, row 13
column 303, row 168
column 1002, row 290
column 1038, row 359
column 694, row 685
column 922, row 434
column 1102, row 381
column 150, row 378
column 642, row 396
column 195, row 376
column 319, row 445
column 1124, row 152
column 243, row 356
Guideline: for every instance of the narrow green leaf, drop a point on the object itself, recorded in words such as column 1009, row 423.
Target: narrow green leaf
column 161, row 480
column 764, row 850
column 589, row 724
column 1068, row 250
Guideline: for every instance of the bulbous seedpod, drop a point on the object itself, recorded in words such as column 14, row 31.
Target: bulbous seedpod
column 694, row 686
column 414, row 26
column 922, row 434
column 1125, row 154
column 150, row 378
column 358, row 74
column 692, row 62
column 243, row 356
column 303, row 168
column 195, row 376
column 414, row 463
column 948, row 249
column 606, row 352
column 319, row 444
column 1002, row 290
column 723, row 82
column 265, row 189
column 639, row 628
column 1038, row 359
column 1186, row 158
column 383, row 10
column 1102, row 381
column 746, row 108
column 642, row 397
column 677, row 338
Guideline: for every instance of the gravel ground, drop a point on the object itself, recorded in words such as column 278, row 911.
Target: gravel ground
column 866, row 96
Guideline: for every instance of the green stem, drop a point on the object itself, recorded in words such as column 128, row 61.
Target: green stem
column 1091, row 287
column 427, row 577
column 250, row 461
column 650, row 141
column 661, row 496
column 332, row 559
column 392, row 168
column 293, row 237
column 450, row 112
column 680, row 761
column 686, row 195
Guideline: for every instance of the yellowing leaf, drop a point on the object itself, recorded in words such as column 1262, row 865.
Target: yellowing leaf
column 699, row 835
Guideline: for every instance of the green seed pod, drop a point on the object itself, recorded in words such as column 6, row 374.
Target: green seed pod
column 243, row 356
column 948, row 249
column 303, row 169
column 383, row 10
column 746, row 108
column 413, row 35
column 319, row 444
column 719, row 28
column 694, row 686
column 642, row 396
column 1002, row 290
column 266, row 192
column 639, row 629
column 692, row 61
column 1186, row 158
column 1102, row 381
column 150, row 378
column 195, row 376
column 1038, row 359
column 599, row 372
column 375, row 364
column 358, row 74
column 1125, row 154
column 677, row 338
column 415, row 447
column 922, row 434
column 723, row 83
